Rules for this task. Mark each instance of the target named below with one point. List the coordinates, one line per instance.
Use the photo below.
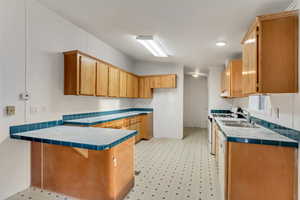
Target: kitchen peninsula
(82, 162)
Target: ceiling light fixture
(195, 75)
(221, 43)
(153, 45)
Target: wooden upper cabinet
(155, 82)
(249, 71)
(270, 54)
(102, 79)
(123, 84)
(87, 76)
(168, 81)
(79, 75)
(232, 79)
(114, 82)
(163, 81)
(135, 82)
(145, 91)
(236, 87)
(130, 90)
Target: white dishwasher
(222, 148)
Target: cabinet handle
(115, 162)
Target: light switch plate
(10, 110)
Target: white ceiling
(188, 28)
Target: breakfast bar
(82, 162)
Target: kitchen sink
(239, 124)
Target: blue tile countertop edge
(287, 132)
(96, 114)
(34, 126)
(259, 141)
(99, 121)
(74, 144)
(220, 111)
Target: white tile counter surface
(81, 137)
(105, 118)
(259, 133)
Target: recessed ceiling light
(195, 75)
(153, 45)
(221, 43)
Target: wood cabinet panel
(146, 128)
(123, 84)
(236, 86)
(279, 55)
(114, 82)
(249, 72)
(135, 87)
(87, 76)
(155, 82)
(130, 86)
(106, 174)
(269, 172)
(270, 54)
(102, 79)
(71, 73)
(168, 81)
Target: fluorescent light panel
(152, 45)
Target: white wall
(48, 36)
(14, 156)
(214, 89)
(195, 102)
(167, 103)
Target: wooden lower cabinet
(142, 123)
(84, 174)
(256, 171)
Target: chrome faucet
(248, 116)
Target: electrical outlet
(10, 110)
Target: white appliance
(210, 135)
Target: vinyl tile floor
(170, 169)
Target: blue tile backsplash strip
(96, 114)
(288, 132)
(35, 126)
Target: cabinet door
(114, 82)
(147, 88)
(236, 78)
(123, 84)
(250, 66)
(168, 81)
(155, 82)
(227, 80)
(130, 90)
(87, 76)
(102, 79)
(141, 87)
(135, 87)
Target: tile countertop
(258, 135)
(104, 118)
(81, 137)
